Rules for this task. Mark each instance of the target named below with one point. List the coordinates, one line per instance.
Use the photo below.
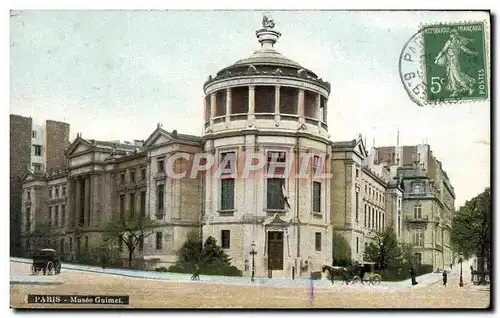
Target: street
(148, 293)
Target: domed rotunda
(271, 223)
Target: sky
(117, 74)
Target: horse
(336, 271)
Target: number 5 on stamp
(455, 62)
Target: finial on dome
(267, 36)
(267, 23)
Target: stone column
(78, 200)
(95, 199)
(213, 106)
(301, 105)
(277, 116)
(318, 110)
(87, 200)
(228, 104)
(325, 113)
(251, 103)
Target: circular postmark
(412, 71)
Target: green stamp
(455, 62)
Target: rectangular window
(225, 237)
(63, 214)
(357, 244)
(143, 203)
(132, 204)
(418, 237)
(160, 200)
(132, 175)
(33, 134)
(57, 192)
(86, 242)
(50, 215)
(316, 165)
(369, 216)
(357, 172)
(373, 217)
(122, 205)
(365, 216)
(317, 241)
(161, 165)
(143, 173)
(37, 167)
(228, 159)
(56, 215)
(71, 244)
(275, 200)
(227, 194)
(122, 178)
(159, 240)
(357, 205)
(278, 158)
(62, 245)
(383, 221)
(317, 197)
(28, 194)
(417, 211)
(28, 219)
(50, 193)
(38, 150)
(63, 191)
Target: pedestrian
(445, 278)
(311, 291)
(412, 275)
(451, 265)
(472, 274)
(196, 274)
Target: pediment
(78, 145)
(360, 148)
(158, 137)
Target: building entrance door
(275, 250)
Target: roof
(344, 144)
(267, 57)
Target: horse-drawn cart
(46, 261)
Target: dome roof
(267, 57)
(267, 61)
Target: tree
(471, 231)
(41, 237)
(384, 248)
(341, 250)
(130, 229)
(211, 259)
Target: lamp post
(253, 252)
(460, 260)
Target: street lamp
(253, 252)
(460, 260)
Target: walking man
(445, 278)
(413, 277)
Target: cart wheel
(375, 279)
(356, 279)
(50, 268)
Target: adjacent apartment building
(36, 147)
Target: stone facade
(56, 140)
(20, 160)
